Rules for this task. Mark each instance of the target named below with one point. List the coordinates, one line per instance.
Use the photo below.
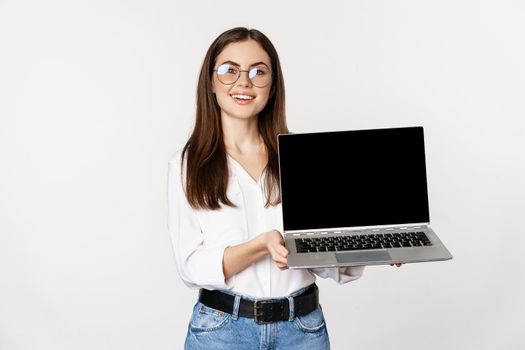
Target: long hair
(205, 152)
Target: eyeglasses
(259, 76)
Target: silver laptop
(356, 198)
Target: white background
(95, 96)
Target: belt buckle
(257, 314)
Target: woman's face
(241, 99)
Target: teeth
(243, 97)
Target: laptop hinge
(360, 228)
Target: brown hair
(205, 152)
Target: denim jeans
(213, 329)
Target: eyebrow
(251, 65)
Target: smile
(243, 97)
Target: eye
(258, 71)
(226, 69)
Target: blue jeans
(213, 329)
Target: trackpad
(352, 257)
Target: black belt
(263, 310)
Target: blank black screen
(353, 178)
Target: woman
(225, 214)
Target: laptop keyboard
(360, 242)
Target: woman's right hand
(274, 243)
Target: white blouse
(199, 238)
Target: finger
(282, 266)
(275, 252)
(279, 259)
(283, 251)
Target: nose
(244, 80)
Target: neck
(240, 135)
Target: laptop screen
(353, 178)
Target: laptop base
(384, 256)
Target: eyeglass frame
(239, 75)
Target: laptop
(356, 197)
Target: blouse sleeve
(198, 264)
(341, 275)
